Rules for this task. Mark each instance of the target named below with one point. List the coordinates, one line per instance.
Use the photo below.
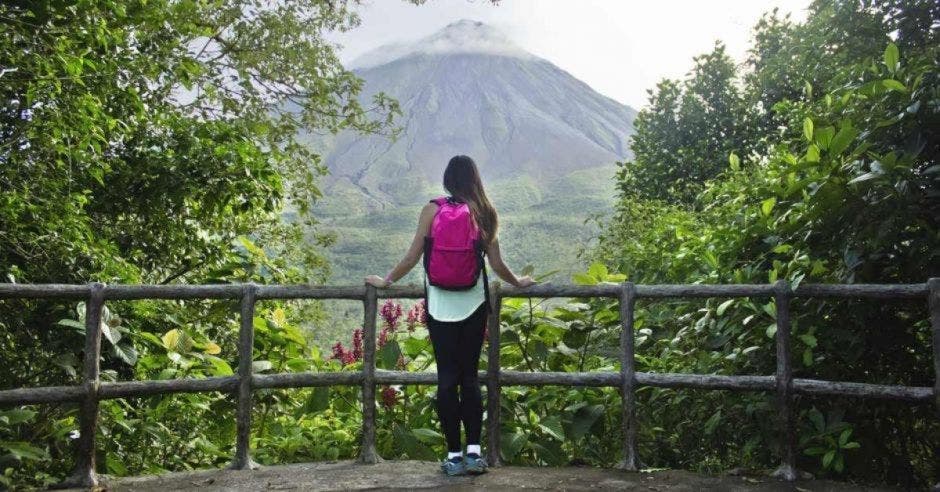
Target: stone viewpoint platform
(410, 475)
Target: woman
(456, 318)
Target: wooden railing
(92, 390)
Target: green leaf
(841, 141)
(827, 459)
(428, 436)
(126, 352)
(812, 153)
(598, 271)
(808, 129)
(891, 57)
(771, 330)
(512, 443)
(844, 437)
(318, 401)
(71, 323)
(387, 357)
(583, 279)
(823, 136)
(864, 177)
(219, 366)
(178, 341)
(767, 206)
(16, 416)
(734, 161)
(893, 85)
(808, 357)
(414, 347)
(21, 450)
(712, 423)
(583, 419)
(809, 340)
(724, 306)
(261, 365)
(552, 426)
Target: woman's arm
(496, 261)
(414, 251)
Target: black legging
(457, 346)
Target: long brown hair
(462, 181)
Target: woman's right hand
(525, 281)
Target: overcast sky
(621, 48)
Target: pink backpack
(453, 252)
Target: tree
(684, 136)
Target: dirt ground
(409, 475)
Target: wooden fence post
(246, 344)
(493, 388)
(933, 286)
(84, 473)
(631, 461)
(368, 454)
(784, 383)
(933, 291)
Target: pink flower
(389, 397)
(338, 350)
(345, 357)
(383, 337)
(415, 315)
(357, 344)
(390, 312)
(424, 311)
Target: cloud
(463, 36)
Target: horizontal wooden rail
(132, 389)
(234, 291)
(782, 383)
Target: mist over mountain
(545, 143)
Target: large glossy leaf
(583, 419)
(511, 443)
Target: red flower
(338, 350)
(423, 311)
(390, 312)
(383, 337)
(346, 357)
(416, 315)
(389, 397)
(357, 344)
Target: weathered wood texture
(246, 343)
(132, 389)
(84, 473)
(784, 384)
(631, 461)
(627, 380)
(934, 303)
(368, 453)
(493, 377)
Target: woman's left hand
(377, 281)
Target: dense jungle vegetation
(138, 146)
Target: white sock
(453, 454)
(473, 448)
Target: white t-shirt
(454, 305)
